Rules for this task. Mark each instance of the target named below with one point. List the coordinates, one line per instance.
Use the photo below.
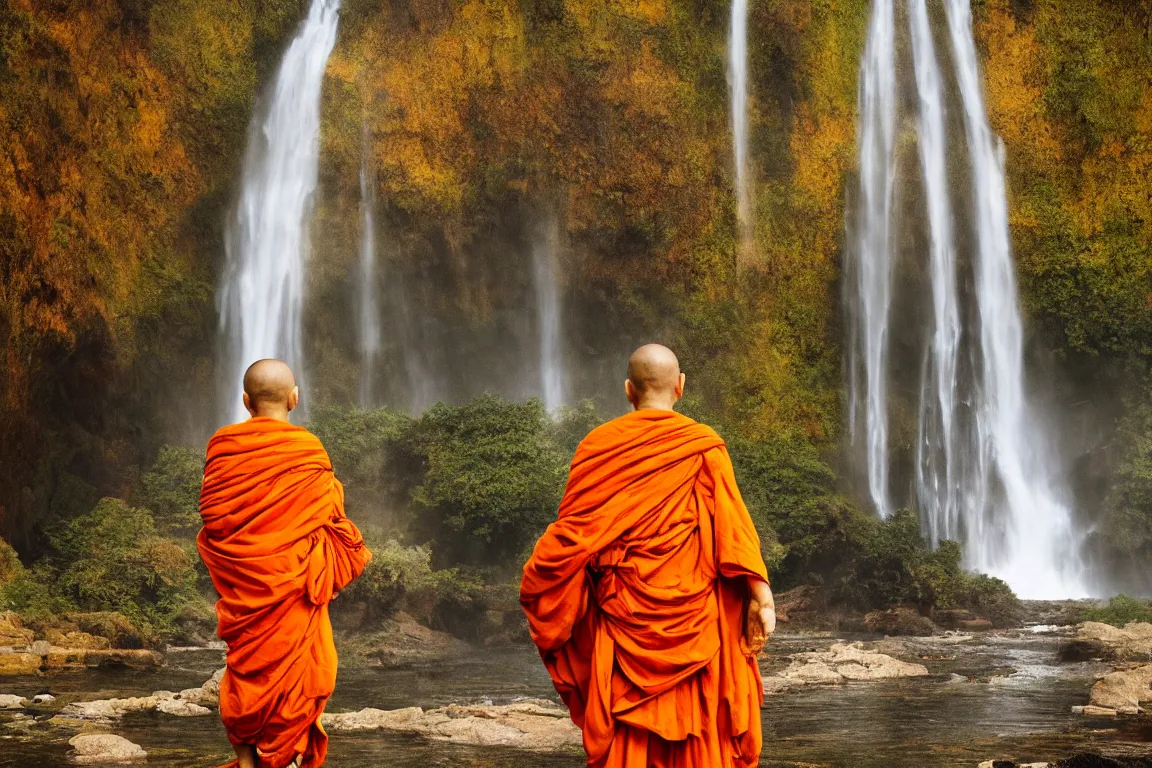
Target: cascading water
(873, 247)
(262, 295)
(1032, 546)
(982, 475)
(738, 85)
(938, 445)
(370, 334)
(548, 317)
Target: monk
(279, 549)
(648, 598)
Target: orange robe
(636, 598)
(278, 547)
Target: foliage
(1120, 611)
(110, 560)
(492, 477)
(397, 577)
(171, 490)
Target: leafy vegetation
(1120, 611)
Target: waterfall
(261, 298)
(1034, 549)
(738, 85)
(873, 247)
(547, 291)
(368, 285)
(937, 443)
(983, 474)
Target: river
(1004, 696)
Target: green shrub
(171, 490)
(10, 566)
(492, 478)
(112, 559)
(395, 574)
(1120, 611)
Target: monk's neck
(277, 415)
(643, 406)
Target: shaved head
(654, 378)
(269, 388)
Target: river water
(1003, 698)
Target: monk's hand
(761, 620)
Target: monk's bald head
(654, 378)
(270, 389)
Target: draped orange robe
(636, 597)
(278, 547)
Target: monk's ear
(293, 399)
(680, 386)
(248, 404)
(630, 392)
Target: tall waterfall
(261, 299)
(368, 285)
(738, 85)
(982, 472)
(873, 247)
(544, 253)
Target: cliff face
(482, 121)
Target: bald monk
(279, 548)
(648, 598)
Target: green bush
(112, 559)
(171, 490)
(1120, 611)
(395, 574)
(492, 478)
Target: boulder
(12, 631)
(108, 709)
(180, 708)
(1124, 690)
(974, 625)
(43, 698)
(76, 639)
(535, 725)
(19, 663)
(839, 664)
(1083, 650)
(950, 618)
(139, 658)
(899, 621)
(8, 701)
(104, 748)
(1132, 643)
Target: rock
(181, 708)
(1094, 711)
(536, 725)
(899, 621)
(8, 701)
(76, 639)
(1099, 761)
(66, 658)
(839, 664)
(40, 647)
(950, 618)
(797, 601)
(43, 698)
(108, 709)
(1124, 690)
(92, 748)
(1083, 650)
(1132, 643)
(139, 658)
(19, 663)
(12, 632)
(114, 627)
(974, 625)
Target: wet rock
(138, 658)
(43, 698)
(108, 709)
(1083, 650)
(104, 748)
(19, 663)
(1099, 761)
(536, 725)
(1132, 643)
(974, 625)
(1124, 690)
(12, 632)
(180, 708)
(8, 701)
(899, 621)
(839, 664)
(1093, 711)
(76, 639)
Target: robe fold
(636, 597)
(278, 547)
